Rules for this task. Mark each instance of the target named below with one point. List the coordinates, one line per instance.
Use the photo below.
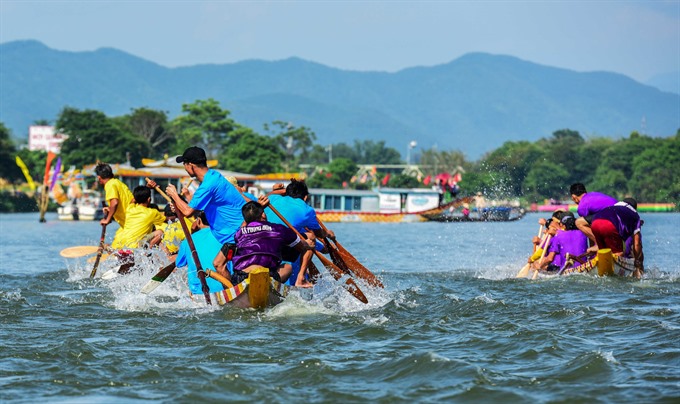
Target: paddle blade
(78, 251)
(313, 272)
(524, 271)
(354, 290)
(158, 279)
(356, 268)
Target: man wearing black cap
(220, 201)
(613, 225)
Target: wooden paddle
(540, 261)
(525, 269)
(336, 272)
(350, 263)
(99, 253)
(333, 269)
(78, 251)
(187, 234)
(157, 279)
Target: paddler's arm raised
(179, 203)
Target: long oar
(187, 234)
(525, 269)
(78, 251)
(540, 261)
(351, 263)
(158, 279)
(99, 253)
(336, 272)
(333, 269)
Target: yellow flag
(24, 169)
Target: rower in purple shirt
(589, 203)
(612, 226)
(567, 239)
(258, 244)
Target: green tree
(204, 124)
(338, 171)
(546, 179)
(35, 161)
(92, 136)
(616, 166)
(588, 157)
(371, 152)
(433, 161)
(402, 181)
(251, 153)
(511, 163)
(656, 177)
(152, 126)
(295, 142)
(320, 155)
(8, 167)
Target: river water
(452, 324)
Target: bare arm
(220, 265)
(305, 245)
(637, 252)
(110, 211)
(547, 260)
(178, 202)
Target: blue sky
(637, 38)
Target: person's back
(117, 195)
(573, 242)
(294, 208)
(259, 243)
(140, 220)
(114, 188)
(593, 202)
(222, 205)
(589, 203)
(624, 218)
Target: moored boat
(86, 207)
(388, 205)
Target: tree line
(638, 166)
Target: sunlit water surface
(452, 324)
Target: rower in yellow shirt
(140, 221)
(118, 196)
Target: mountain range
(473, 103)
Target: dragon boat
(603, 264)
(258, 291)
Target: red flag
(48, 164)
(457, 178)
(386, 179)
(427, 180)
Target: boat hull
(258, 291)
(604, 264)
